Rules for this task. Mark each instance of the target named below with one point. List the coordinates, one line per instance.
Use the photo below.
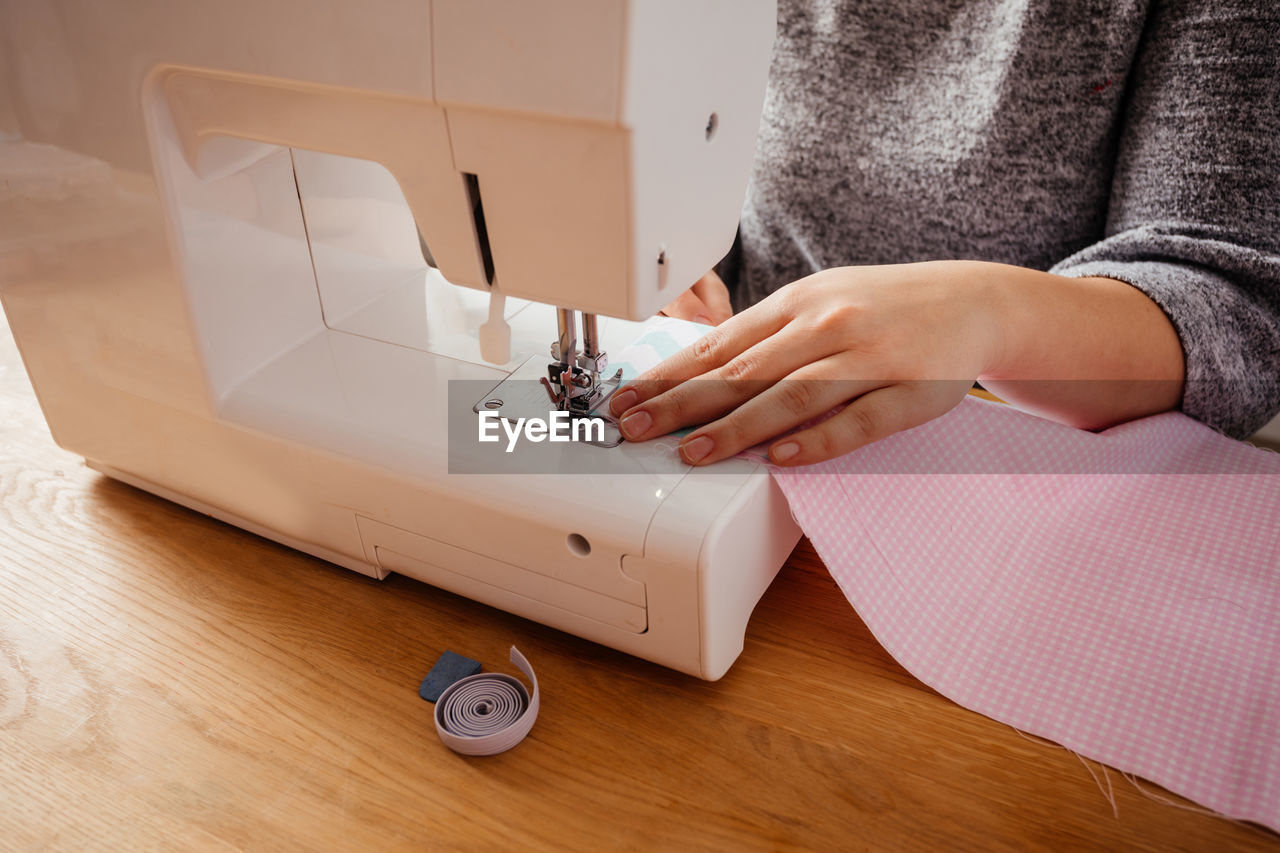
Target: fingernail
(636, 424)
(623, 400)
(696, 449)
(704, 320)
(785, 451)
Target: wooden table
(170, 681)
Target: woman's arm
(901, 345)
(1089, 352)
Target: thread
(1109, 792)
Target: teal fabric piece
(662, 338)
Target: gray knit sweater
(1123, 138)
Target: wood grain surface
(168, 681)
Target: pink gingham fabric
(1118, 593)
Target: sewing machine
(256, 254)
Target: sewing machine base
(690, 618)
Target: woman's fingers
(694, 402)
(707, 302)
(801, 397)
(717, 348)
(689, 306)
(871, 417)
(715, 296)
(717, 391)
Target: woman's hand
(706, 302)
(899, 344)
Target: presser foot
(529, 393)
(578, 391)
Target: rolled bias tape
(488, 713)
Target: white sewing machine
(246, 246)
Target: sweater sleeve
(1194, 215)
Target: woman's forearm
(1090, 352)
(894, 346)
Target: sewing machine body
(210, 260)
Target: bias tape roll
(487, 713)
